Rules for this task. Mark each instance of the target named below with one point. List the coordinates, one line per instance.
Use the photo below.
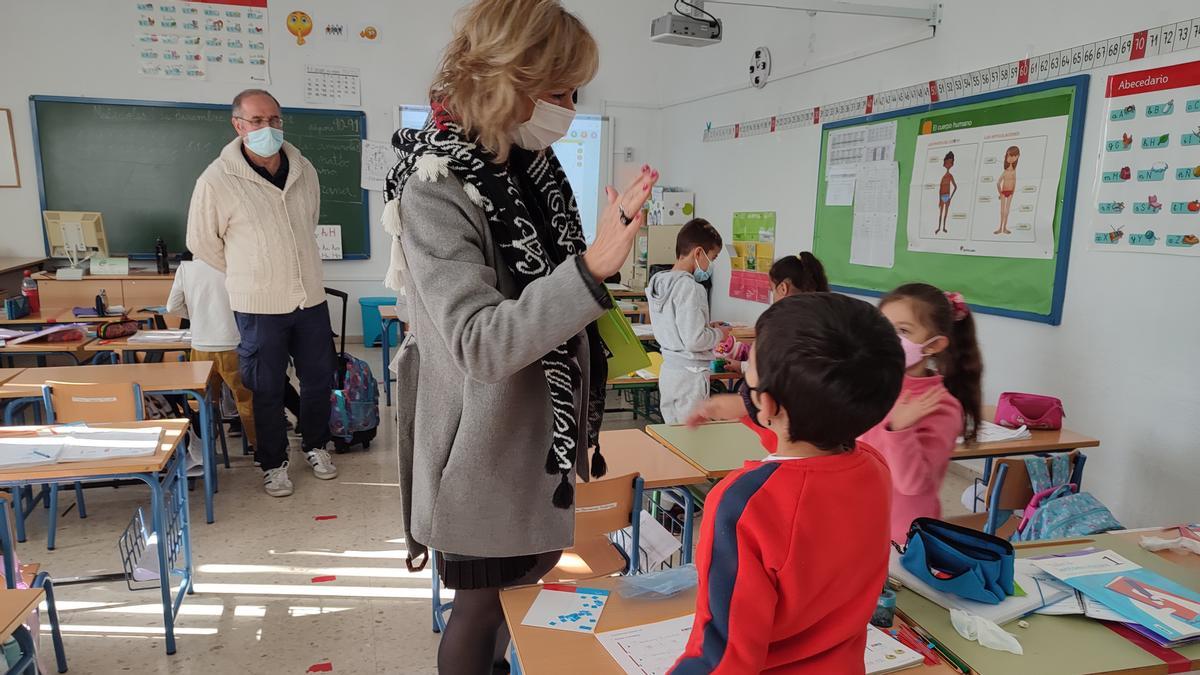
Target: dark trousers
(268, 341)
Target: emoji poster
(202, 40)
(1147, 194)
(985, 179)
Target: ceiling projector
(685, 31)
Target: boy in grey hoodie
(679, 315)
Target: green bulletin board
(1023, 288)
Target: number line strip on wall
(1165, 39)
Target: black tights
(476, 636)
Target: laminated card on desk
(649, 649)
(567, 608)
(22, 451)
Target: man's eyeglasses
(276, 122)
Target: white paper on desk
(885, 654)
(642, 329)
(90, 444)
(568, 608)
(989, 432)
(153, 336)
(649, 649)
(377, 160)
(656, 542)
(19, 451)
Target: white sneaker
(321, 464)
(276, 481)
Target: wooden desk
(542, 651)
(186, 378)
(633, 381)
(49, 315)
(7, 374)
(164, 473)
(627, 294)
(1060, 644)
(641, 309)
(76, 349)
(631, 450)
(721, 447)
(15, 606)
(128, 350)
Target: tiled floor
(256, 608)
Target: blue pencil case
(968, 563)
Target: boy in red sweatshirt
(793, 549)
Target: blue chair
(68, 402)
(602, 507)
(1009, 491)
(34, 578)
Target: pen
(954, 661)
(911, 640)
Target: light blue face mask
(700, 275)
(265, 142)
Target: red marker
(321, 580)
(324, 517)
(325, 667)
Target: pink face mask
(913, 352)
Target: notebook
(885, 654)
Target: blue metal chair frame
(41, 580)
(386, 355)
(996, 517)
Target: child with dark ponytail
(789, 276)
(940, 400)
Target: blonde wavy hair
(503, 52)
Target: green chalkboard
(136, 162)
(1024, 288)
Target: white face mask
(548, 124)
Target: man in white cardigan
(253, 216)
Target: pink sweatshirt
(918, 455)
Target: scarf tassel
(599, 466)
(564, 494)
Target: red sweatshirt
(918, 455)
(792, 557)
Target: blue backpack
(1058, 509)
(354, 404)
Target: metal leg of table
(689, 517)
(210, 451)
(175, 476)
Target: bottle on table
(29, 289)
(160, 256)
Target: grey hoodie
(679, 314)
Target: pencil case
(968, 563)
(117, 329)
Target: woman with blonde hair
(506, 367)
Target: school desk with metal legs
(387, 318)
(166, 475)
(76, 350)
(721, 447)
(128, 351)
(183, 378)
(15, 605)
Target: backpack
(354, 405)
(1058, 509)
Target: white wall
(83, 48)
(1123, 359)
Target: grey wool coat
(474, 408)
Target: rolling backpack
(354, 401)
(1058, 509)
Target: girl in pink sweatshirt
(939, 401)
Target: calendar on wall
(332, 85)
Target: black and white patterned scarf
(515, 226)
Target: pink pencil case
(1031, 410)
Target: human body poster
(1147, 195)
(985, 180)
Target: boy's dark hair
(832, 362)
(697, 232)
(804, 272)
(960, 364)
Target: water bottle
(160, 256)
(29, 289)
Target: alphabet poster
(985, 180)
(1148, 186)
(202, 40)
